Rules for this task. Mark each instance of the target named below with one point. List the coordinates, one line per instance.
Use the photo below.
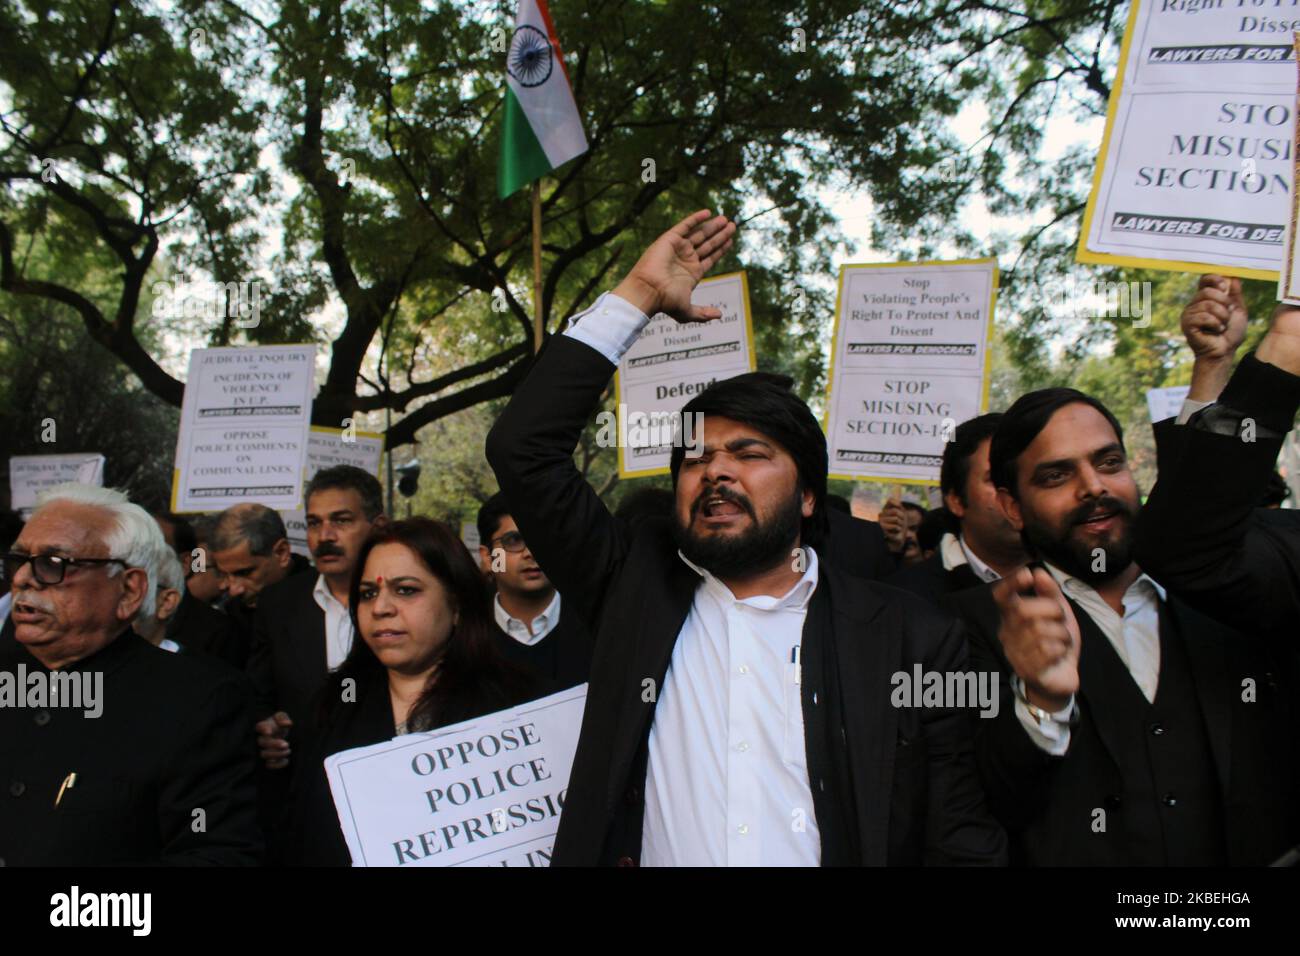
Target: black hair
(11, 526)
(763, 401)
(349, 478)
(954, 472)
(1275, 492)
(184, 539)
(490, 514)
(839, 503)
(1022, 422)
(932, 528)
(913, 506)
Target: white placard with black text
(909, 363)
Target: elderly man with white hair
(112, 751)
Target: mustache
(726, 494)
(1093, 508)
(32, 599)
(326, 550)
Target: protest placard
(1166, 402)
(244, 423)
(486, 792)
(29, 475)
(1196, 161)
(669, 364)
(909, 361)
(327, 447)
(1288, 282)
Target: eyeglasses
(49, 568)
(512, 541)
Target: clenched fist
(1214, 322)
(1040, 636)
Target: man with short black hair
(981, 545)
(531, 629)
(1125, 738)
(250, 550)
(738, 711)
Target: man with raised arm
(739, 708)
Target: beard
(1075, 556)
(760, 547)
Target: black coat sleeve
(207, 807)
(1197, 534)
(960, 830)
(575, 539)
(1015, 772)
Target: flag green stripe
(522, 157)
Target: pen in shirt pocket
(68, 783)
(796, 666)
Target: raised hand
(1214, 322)
(669, 270)
(1040, 636)
(893, 522)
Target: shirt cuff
(610, 326)
(1190, 407)
(1052, 736)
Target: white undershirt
(338, 624)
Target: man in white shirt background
(531, 630)
(1137, 731)
(981, 545)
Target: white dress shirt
(1135, 637)
(727, 777)
(338, 624)
(543, 624)
(954, 552)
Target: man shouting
(739, 708)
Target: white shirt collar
(1143, 586)
(543, 623)
(797, 597)
(325, 597)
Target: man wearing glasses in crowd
(530, 629)
(163, 745)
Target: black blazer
(288, 665)
(857, 547)
(172, 739)
(889, 785)
(1046, 802)
(929, 580)
(1201, 535)
(197, 627)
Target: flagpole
(537, 265)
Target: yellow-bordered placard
(623, 471)
(985, 373)
(327, 430)
(1082, 252)
(1286, 292)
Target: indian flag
(542, 128)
